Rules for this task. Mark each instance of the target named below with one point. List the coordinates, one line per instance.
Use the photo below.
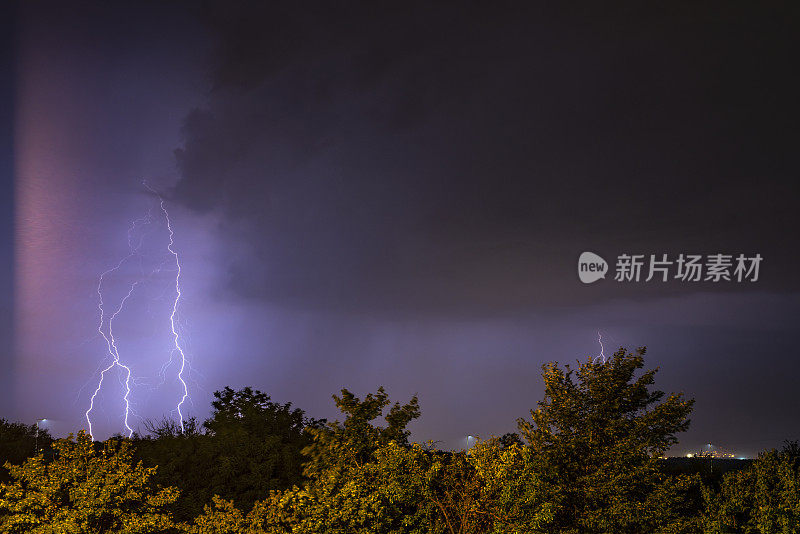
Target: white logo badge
(591, 267)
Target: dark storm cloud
(445, 158)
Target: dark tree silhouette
(18, 442)
(249, 446)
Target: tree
(589, 464)
(595, 440)
(249, 446)
(84, 491)
(361, 478)
(354, 469)
(18, 442)
(355, 440)
(222, 517)
(764, 498)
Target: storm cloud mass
(370, 194)
(456, 160)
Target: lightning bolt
(105, 327)
(175, 336)
(602, 355)
(111, 343)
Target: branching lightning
(111, 344)
(106, 324)
(175, 336)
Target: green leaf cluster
(83, 490)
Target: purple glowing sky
(406, 216)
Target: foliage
(384, 495)
(587, 461)
(84, 491)
(354, 441)
(368, 479)
(19, 442)
(222, 517)
(595, 441)
(361, 478)
(589, 465)
(357, 473)
(765, 498)
(249, 446)
(511, 489)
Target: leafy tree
(182, 462)
(509, 439)
(18, 442)
(455, 491)
(385, 495)
(354, 441)
(355, 469)
(362, 478)
(84, 491)
(511, 499)
(222, 517)
(589, 463)
(249, 446)
(369, 479)
(765, 498)
(594, 442)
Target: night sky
(369, 194)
